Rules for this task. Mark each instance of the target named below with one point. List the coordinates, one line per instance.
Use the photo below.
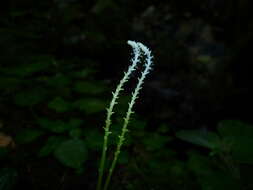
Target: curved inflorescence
(138, 50)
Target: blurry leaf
(18, 13)
(28, 135)
(39, 63)
(242, 149)
(157, 167)
(90, 105)
(234, 128)
(89, 87)
(155, 141)
(163, 128)
(177, 168)
(58, 81)
(30, 98)
(209, 177)
(94, 139)
(56, 126)
(204, 58)
(74, 122)
(238, 137)
(59, 105)
(72, 153)
(138, 124)
(75, 133)
(83, 73)
(213, 181)
(9, 83)
(103, 4)
(59, 126)
(200, 164)
(200, 137)
(51, 144)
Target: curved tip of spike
(132, 43)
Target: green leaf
(209, 176)
(238, 139)
(9, 83)
(59, 105)
(56, 126)
(93, 88)
(94, 139)
(90, 105)
(204, 59)
(199, 137)
(59, 126)
(75, 133)
(30, 98)
(163, 128)
(28, 135)
(155, 141)
(39, 63)
(234, 128)
(72, 153)
(50, 146)
(201, 165)
(242, 149)
(83, 73)
(74, 122)
(102, 4)
(58, 81)
(138, 124)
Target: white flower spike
(138, 48)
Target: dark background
(61, 59)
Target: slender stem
(129, 111)
(116, 154)
(119, 88)
(102, 162)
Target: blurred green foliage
(55, 84)
(64, 123)
(229, 153)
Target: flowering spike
(138, 48)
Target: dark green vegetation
(60, 61)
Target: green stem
(102, 163)
(115, 159)
(135, 94)
(119, 88)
